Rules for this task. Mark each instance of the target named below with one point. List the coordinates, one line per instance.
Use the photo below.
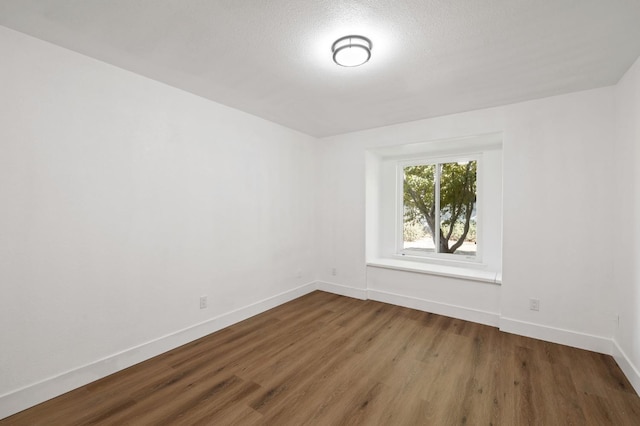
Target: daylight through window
(439, 214)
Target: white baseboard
(21, 399)
(36, 393)
(627, 367)
(460, 312)
(356, 293)
(557, 335)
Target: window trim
(446, 258)
(380, 205)
(431, 268)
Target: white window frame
(435, 160)
(383, 212)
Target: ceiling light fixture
(351, 51)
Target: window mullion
(437, 213)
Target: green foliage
(457, 201)
(413, 231)
(458, 232)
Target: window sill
(440, 270)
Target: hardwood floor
(325, 359)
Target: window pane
(419, 208)
(458, 208)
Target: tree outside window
(440, 208)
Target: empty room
(288, 212)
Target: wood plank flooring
(325, 359)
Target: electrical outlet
(203, 302)
(534, 304)
(334, 271)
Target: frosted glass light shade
(351, 51)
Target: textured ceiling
(273, 58)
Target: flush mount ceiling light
(351, 51)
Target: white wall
(124, 200)
(558, 164)
(557, 190)
(626, 211)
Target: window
(438, 206)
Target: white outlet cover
(534, 304)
